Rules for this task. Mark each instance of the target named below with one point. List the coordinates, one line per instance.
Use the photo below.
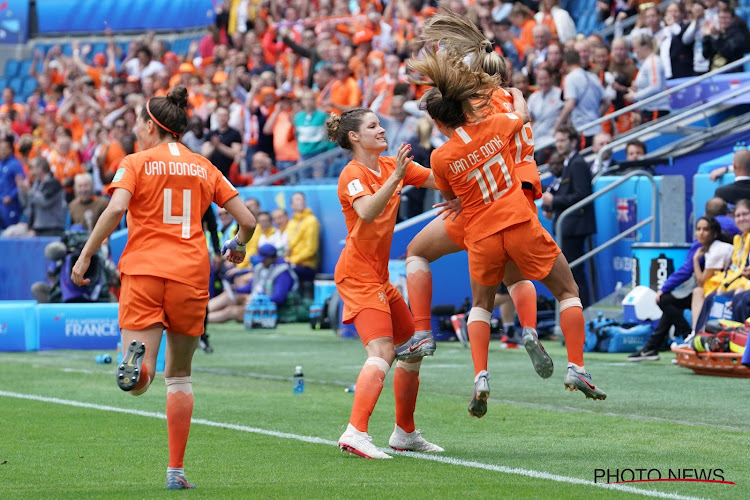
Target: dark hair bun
(332, 126)
(178, 96)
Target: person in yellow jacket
(242, 15)
(303, 231)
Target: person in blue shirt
(272, 276)
(10, 168)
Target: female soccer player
(369, 190)
(165, 268)
(460, 37)
(501, 226)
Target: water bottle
(103, 359)
(248, 319)
(256, 312)
(351, 389)
(618, 293)
(274, 314)
(299, 381)
(265, 313)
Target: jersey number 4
(183, 219)
(485, 177)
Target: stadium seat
(11, 68)
(42, 47)
(98, 47)
(24, 67)
(16, 84)
(29, 85)
(67, 49)
(180, 46)
(3, 83)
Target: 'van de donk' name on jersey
(158, 167)
(486, 151)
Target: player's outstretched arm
(107, 223)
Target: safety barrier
(28, 326)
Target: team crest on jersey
(381, 297)
(355, 187)
(119, 174)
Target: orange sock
(368, 389)
(479, 337)
(419, 287)
(573, 327)
(406, 387)
(143, 381)
(523, 294)
(179, 413)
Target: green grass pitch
(67, 431)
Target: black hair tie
(488, 49)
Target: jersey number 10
(183, 219)
(491, 194)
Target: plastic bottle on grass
(299, 381)
(103, 359)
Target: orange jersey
(64, 167)
(526, 38)
(172, 188)
(19, 108)
(523, 146)
(345, 93)
(368, 246)
(477, 165)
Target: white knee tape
(409, 367)
(511, 287)
(379, 362)
(176, 384)
(568, 303)
(414, 264)
(479, 314)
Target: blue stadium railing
(321, 169)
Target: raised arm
(369, 207)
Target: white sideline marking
(75, 370)
(316, 440)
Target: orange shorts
(456, 228)
(373, 324)
(358, 296)
(527, 244)
(147, 300)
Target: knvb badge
(638, 475)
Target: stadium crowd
(265, 76)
